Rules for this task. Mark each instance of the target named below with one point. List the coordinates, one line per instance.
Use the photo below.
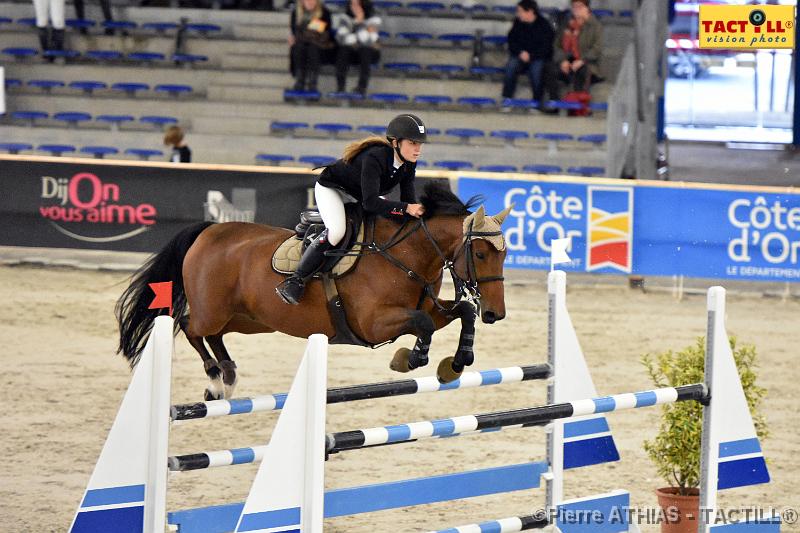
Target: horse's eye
(480, 255)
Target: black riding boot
(58, 39)
(44, 38)
(291, 291)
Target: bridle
(466, 289)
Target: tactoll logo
(85, 198)
(609, 240)
(746, 27)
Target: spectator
(530, 48)
(357, 35)
(578, 50)
(50, 11)
(80, 13)
(180, 152)
(311, 37)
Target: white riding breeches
(49, 10)
(330, 203)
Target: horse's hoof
(210, 396)
(445, 372)
(400, 360)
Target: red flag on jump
(163, 298)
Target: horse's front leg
(394, 322)
(450, 368)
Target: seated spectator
(357, 35)
(48, 11)
(530, 48)
(105, 5)
(577, 52)
(311, 37)
(180, 152)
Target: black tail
(134, 318)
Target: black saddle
(311, 226)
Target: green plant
(676, 448)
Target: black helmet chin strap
(397, 151)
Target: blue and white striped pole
(503, 525)
(274, 402)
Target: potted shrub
(676, 448)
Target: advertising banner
(664, 230)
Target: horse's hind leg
(229, 378)
(215, 389)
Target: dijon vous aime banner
(648, 230)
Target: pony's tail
(134, 318)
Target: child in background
(180, 152)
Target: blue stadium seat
(80, 23)
(598, 106)
(465, 134)
(594, 138)
(160, 27)
(567, 106)
(66, 54)
(509, 136)
(316, 160)
(374, 130)
(189, 59)
(130, 88)
(477, 8)
(292, 95)
(46, 85)
(20, 52)
(553, 139)
(421, 163)
(433, 99)
(173, 89)
(144, 153)
(344, 97)
(402, 68)
(158, 121)
(625, 13)
(56, 149)
(447, 70)
(384, 35)
(333, 128)
(587, 171)
(99, 152)
(519, 103)
(5, 20)
(477, 101)
(88, 86)
(497, 168)
(146, 57)
(273, 159)
(457, 39)
(12, 82)
(291, 127)
(496, 40)
(336, 3)
(72, 118)
(413, 35)
(119, 25)
(388, 98)
(15, 148)
(453, 165)
(507, 10)
(542, 169)
(204, 29)
(485, 71)
(426, 6)
(104, 55)
(602, 13)
(30, 116)
(114, 120)
(27, 21)
(433, 131)
(387, 4)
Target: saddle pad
(286, 257)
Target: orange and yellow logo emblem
(610, 231)
(746, 27)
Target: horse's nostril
(489, 317)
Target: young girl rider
(368, 169)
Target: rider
(368, 169)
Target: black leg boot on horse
(292, 289)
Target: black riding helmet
(406, 126)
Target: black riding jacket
(372, 174)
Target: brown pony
(221, 275)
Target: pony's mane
(438, 199)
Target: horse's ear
(501, 216)
(478, 216)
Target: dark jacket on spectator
(370, 175)
(302, 32)
(535, 38)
